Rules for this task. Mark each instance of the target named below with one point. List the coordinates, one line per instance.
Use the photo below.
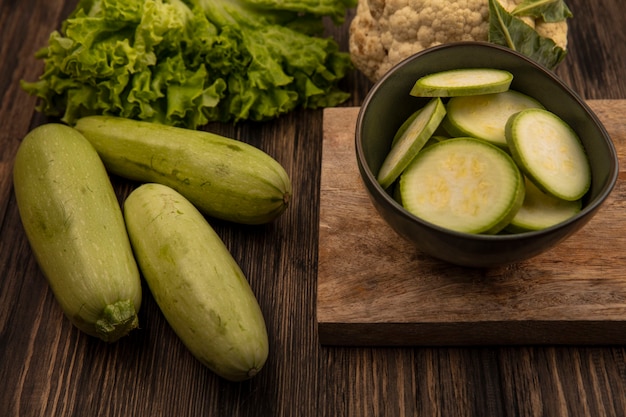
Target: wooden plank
(375, 289)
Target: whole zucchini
(197, 284)
(75, 227)
(222, 177)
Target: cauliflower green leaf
(549, 10)
(508, 30)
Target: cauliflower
(384, 32)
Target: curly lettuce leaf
(510, 31)
(191, 62)
(548, 10)
(335, 9)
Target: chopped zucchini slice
(550, 153)
(463, 184)
(485, 116)
(462, 82)
(411, 141)
(541, 210)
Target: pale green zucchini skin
(74, 224)
(196, 282)
(224, 178)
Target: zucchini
(197, 284)
(540, 210)
(462, 82)
(463, 184)
(75, 227)
(225, 178)
(485, 116)
(550, 153)
(413, 135)
(404, 126)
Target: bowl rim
(586, 210)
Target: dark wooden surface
(48, 368)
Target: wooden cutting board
(375, 289)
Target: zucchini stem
(117, 320)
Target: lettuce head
(190, 62)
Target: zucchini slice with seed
(550, 153)
(541, 210)
(463, 184)
(485, 116)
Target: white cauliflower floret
(556, 31)
(384, 32)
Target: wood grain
(374, 288)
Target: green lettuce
(190, 62)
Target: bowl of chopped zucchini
(480, 156)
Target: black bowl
(388, 104)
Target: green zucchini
(197, 284)
(225, 178)
(540, 210)
(74, 224)
(463, 184)
(462, 82)
(413, 135)
(485, 116)
(550, 153)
